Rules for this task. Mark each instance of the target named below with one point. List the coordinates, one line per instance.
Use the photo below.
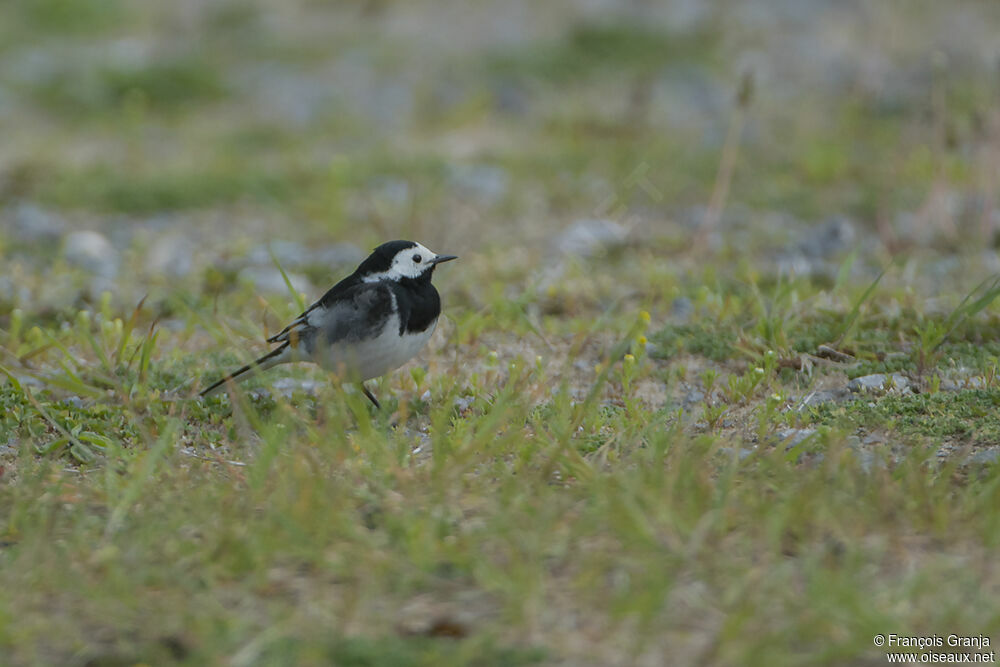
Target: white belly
(364, 360)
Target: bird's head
(399, 260)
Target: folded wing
(350, 315)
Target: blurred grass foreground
(716, 381)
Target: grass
(503, 518)
(607, 460)
(966, 416)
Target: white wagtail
(371, 322)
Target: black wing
(355, 312)
(324, 301)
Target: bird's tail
(276, 356)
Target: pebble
(392, 192)
(589, 237)
(486, 184)
(509, 97)
(693, 99)
(793, 437)
(338, 254)
(972, 382)
(813, 255)
(681, 309)
(830, 238)
(290, 254)
(73, 402)
(873, 439)
(12, 292)
(984, 457)
(866, 457)
(266, 279)
(284, 95)
(287, 386)
(172, 256)
(33, 223)
(878, 382)
(91, 252)
(694, 396)
(825, 396)
(741, 453)
(296, 256)
(463, 403)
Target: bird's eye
(416, 259)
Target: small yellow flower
(629, 358)
(641, 340)
(644, 316)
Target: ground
(715, 384)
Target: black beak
(443, 258)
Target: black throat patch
(419, 303)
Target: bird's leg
(371, 397)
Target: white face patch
(408, 263)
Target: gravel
(878, 382)
(33, 223)
(270, 280)
(590, 237)
(91, 252)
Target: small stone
(811, 254)
(958, 384)
(589, 237)
(509, 97)
(337, 255)
(825, 396)
(742, 453)
(391, 192)
(287, 386)
(484, 183)
(29, 381)
(681, 309)
(867, 459)
(793, 437)
(833, 236)
(984, 457)
(91, 252)
(296, 256)
(463, 403)
(12, 293)
(879, 382)
(290, 255)
(73, 402)
(873, 439)
(694, 396)
(270, 280)
(172, 257)
(33, 223)
(797, 264)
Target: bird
(370, 323)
